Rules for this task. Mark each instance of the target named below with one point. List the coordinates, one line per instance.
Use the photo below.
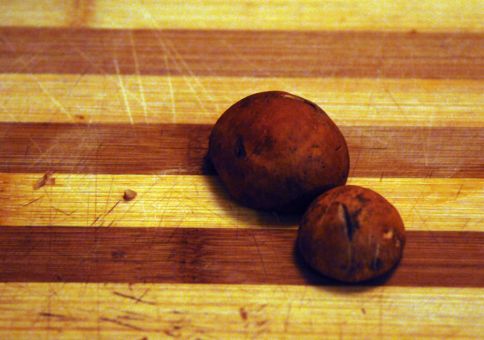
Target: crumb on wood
(46, 179)
(129, 195)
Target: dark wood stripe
(243, 53)
(180, 149)
(182, 255)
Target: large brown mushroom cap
(351, 234)
(276, 151)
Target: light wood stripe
(242, 53)
(66, 98)
(200, 201)
(246, 311)
(35, 13)
(425, 15)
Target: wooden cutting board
(97, 97)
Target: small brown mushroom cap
(276, 151)
(351, 234)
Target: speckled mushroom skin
(276, 151)
(351, 234)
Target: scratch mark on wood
(7, 42)
(458, 192)
(137, 70)
(182, 62)
(95, 181)
(105, 214)
(173, 53)
(123, 91)
(27, 150)
(81, 75)
(34, 143)
(287, 320)
(86, 57)
(64, 212)
(252, 64)
(109, 193)
(43, 89)
(130, 317)
(7, 111)
(134, 298)
(56, 102)
(260, 254)
(32, 201)
(170, 87)
(111, 223)
(120, 323)
(54, 315)
(393, 99)
(190, 72)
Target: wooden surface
(113, 95)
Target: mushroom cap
(276, 151)
(351, 234)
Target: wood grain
(137, 85)
(187, 255)
(181, 148)
(200, 201)
(66, 310)
(86, 98)
(242, 53)
(425, 15)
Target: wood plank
(200, 201)
(237, 311)
(67, 98)
(35, 13)
(180, 148)
(425, 15)
(448, 306)
(201, 255)
(242, 53)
